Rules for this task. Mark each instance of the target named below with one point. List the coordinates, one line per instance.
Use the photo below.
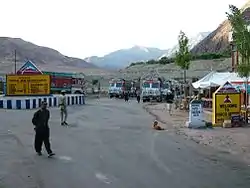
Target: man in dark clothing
(170, 101)
(138, 96)
(40, 121)
(126, 96)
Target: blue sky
(82, 28)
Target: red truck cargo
(59, 83)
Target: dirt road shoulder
(234, 141)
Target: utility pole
(15, 61)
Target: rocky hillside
(41, 56)
(217, 41)
(193, 41)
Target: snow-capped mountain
(122, 58)
(193, 41)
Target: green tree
(152, 61)
(241, 39)
(183, 57)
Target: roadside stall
(212, 81)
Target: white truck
(116, 88)
(151, 90)
(78, 84)
(166, 88)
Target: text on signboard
(195, 110)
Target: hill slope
(193, 41)
(217, 41)
(41, 56)
(122, 58)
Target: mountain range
(41, 56)
(122, 58)
(204, 42)
(193, 41)
(217, 41)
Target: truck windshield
(112, 85)
(155, 85)
(146, 85)
(165, 86)
(118, 84)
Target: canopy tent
(207, 84)
(215, 79)
(212, 79)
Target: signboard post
(226, 103)
(24, 85)
(196, 119)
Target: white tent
(214, 79)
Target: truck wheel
(111, 96)
(143, 100)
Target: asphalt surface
(110, 144)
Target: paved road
(110, 144)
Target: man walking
(63, 108)
(40, 121)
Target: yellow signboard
(224, 106)
(27, 85)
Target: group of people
(138, 96)
(40, 121)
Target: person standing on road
(63, 108)
(126, 96)
(40, 121)
(170, 101)
(138, 96)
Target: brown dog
(156, 126)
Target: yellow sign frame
(224, 110)
(27, 85)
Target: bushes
(166, 60)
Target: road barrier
(34, 102)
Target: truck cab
(78, 84)
(166, 88)
(116, 89)
(151, 90)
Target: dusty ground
(235, 141)
(110, 144)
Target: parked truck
(69, 82)
(116, 88)
(166, 89)
(151, 90)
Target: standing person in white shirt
(63, 108)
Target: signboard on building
(226, 103)
(27, 85)
(29, 68)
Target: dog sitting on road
(156, 126)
